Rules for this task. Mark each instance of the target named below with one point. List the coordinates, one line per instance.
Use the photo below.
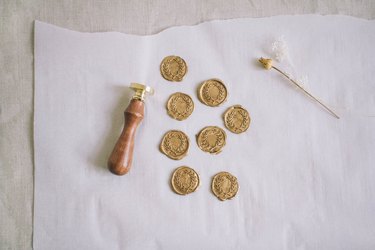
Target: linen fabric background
(136, 17)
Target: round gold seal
(237, 119)
(175, 144)
(211, 139)
(184, 180)
(180, 106)
(173, 68)
(224, 186)
(212, 92)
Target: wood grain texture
(120, 160)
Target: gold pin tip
(266, 62)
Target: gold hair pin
(267, 64)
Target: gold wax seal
(211, 139)
(180, 106)
(212, 92)
(184, 180)
(237, 119)
(224, 186)
(173, 68)
(175, 144)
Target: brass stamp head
(141, 90)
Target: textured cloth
(137, 17)
(306, 178)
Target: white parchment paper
(306, 178)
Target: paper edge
(208, 22)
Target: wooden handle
(121, 158)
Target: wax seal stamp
(180, 106)
(237, 119)
(120, 160)
(184, 180)
(173, 68)
(212, 92)
(175, 144)
(211, 139)
(224, 186)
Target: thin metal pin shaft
(307, 93)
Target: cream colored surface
(306, 178)
(136, 17)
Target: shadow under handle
(120, 160)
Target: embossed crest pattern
(175, 144)
(184, 180)
(173, 68)
(180, 106)
(237, 119)
(224, 186)
(212, 92)
(211, 139)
